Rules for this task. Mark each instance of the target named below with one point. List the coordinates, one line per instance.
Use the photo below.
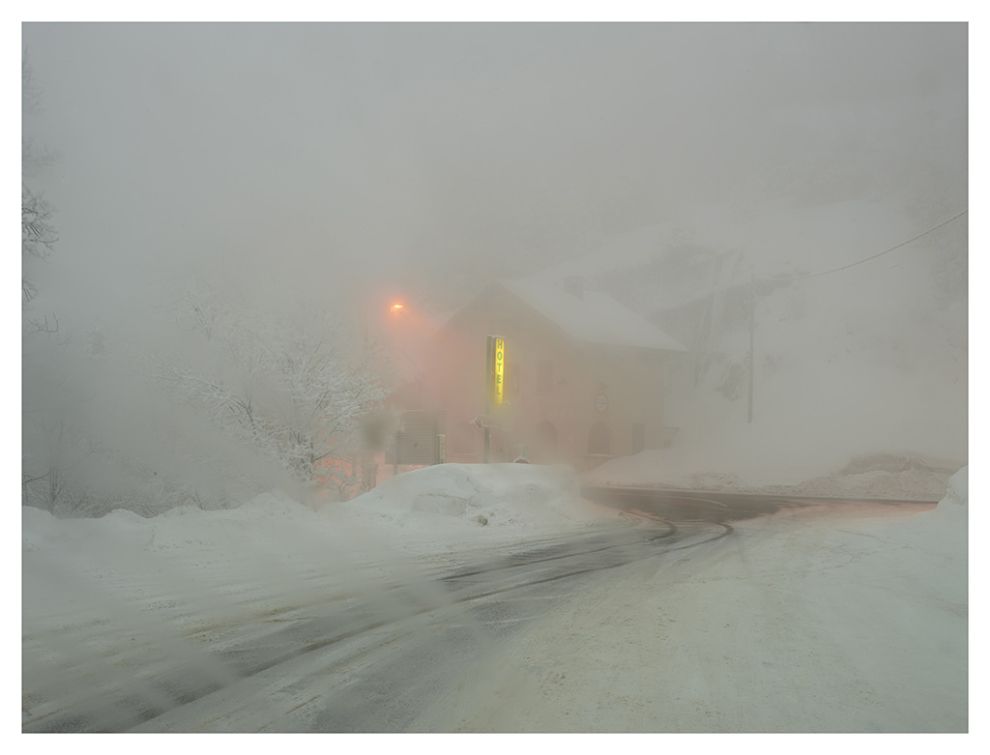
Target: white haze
(299, 172)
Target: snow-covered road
(291, 669)
(803, 621)
(833, 617)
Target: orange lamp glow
(397, 308)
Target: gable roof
(592, 318)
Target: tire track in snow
(541, 566)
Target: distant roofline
(660, 341)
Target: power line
(752, 294)
(885, 251)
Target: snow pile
(206, 560)
(924, 560)
(44, 533)
(891, 476)
(957, 496)
(882, 476)
(943, 534)
(270, 542)
(513, 498)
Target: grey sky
(290, 158)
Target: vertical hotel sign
(496, 370)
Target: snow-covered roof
(592, 318)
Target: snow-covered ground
(810, 620)
(128, 590)
(442, 506)
(825, 618)
(188, 561)
(885, 476)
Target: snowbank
(943, 534)
(445, 501)
(272, 544)
(957, 496)
(882, 476)
(153, 591)
(510, 498)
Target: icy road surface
(349, 662)
(812, 619)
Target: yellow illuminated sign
(498, 366)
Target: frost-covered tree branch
(38, 234)
(293, 391)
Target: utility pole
(752, 331)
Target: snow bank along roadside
(490, 501)
(814, 619)
(891, 476)
(273, 548)
(108, 601)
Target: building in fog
(586, 378)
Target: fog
(494, 377)
(232, 200)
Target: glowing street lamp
(397, 308)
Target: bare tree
(38, 233)
(294, 392)
(42, 477)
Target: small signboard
(499, 371)
(495, 363)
